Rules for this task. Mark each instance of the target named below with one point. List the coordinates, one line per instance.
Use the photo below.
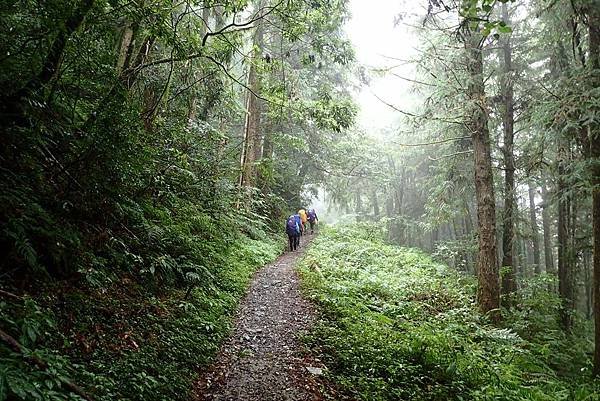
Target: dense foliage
(396, 324)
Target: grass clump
(397, 325)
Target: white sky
(376, 38)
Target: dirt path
(263, 359)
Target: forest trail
(263, 359)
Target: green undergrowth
(136, 332)
(397, 325)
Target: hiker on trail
(303, 218)
(299, 222)
(312, 219)
(292, 229)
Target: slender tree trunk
(535, 237)
(468, 225)
(521, 250)
(594, 138)
(509, 283)
(588, 283)
(267, 146)
(595, 150)
(546, 224)
(574, 245)
(527, 256)
(460, 259)
(125, 47)
(129, 77)
(398, 208)
(389, 203)
(252, 149)
(435, 237)
(488, 293)
(192, 112)
(375, 201)
(565, 270)
(358, 200)
(149, 109)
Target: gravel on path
(263, 359)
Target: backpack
(290, 227)
(312, 215)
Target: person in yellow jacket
(303, 218)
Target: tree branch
(465, 152)
(257, 16)
(406, 113)
(433, 142)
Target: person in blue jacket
(299, 223)
(292, 229)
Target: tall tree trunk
(565, 270)
(375, 201)
(129, 76)
(149, 108)
(535, 237)
(251, 150)
(125, 47)
(573, 243)
(588, 283)
(251, 125)
(435, 237)
(358, 200)
(267, 146)
(595, 150)
(509, 283)
(399, 201)
(527, 255)
(521, 250)
(546, 224)
(192, 112)
(488, 293)
(468, 225)
(594, 138)
(389, 203)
